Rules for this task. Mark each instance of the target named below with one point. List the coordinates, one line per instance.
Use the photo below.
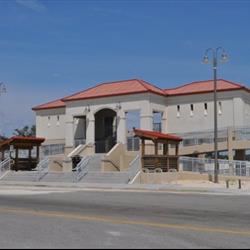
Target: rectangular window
(178, 111)
(58, 121)
(49, 121)
(157, 121)
(205, 108)
(220, 108)
(191, 109)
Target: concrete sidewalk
(215, 189)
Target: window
(178, 111)
(205, 108)
(49, 121)
(58, 121)
(191, 109)
(157, 121)
(220, 108)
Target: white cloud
(34, 5)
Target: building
(104, 115)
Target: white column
(121, 127)
(90, 130)
(147, 121)
(164, 122)
(69, 132)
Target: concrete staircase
(93, 176)
(95, 163)
(106, 177)
(26, 176)
(58, 177)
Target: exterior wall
(146, 103)
(52, 130)
(235, 113)
(232, 112)
(246, 114)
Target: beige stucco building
(104, 115)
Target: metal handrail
(5, 165)
(42, 168)
(81, 169)
(204, 165)
(134, 168)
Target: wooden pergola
(17, 143)
(164, 161)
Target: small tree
(26, 131)
(2, 138)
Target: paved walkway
(184, 187)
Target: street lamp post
(214, 62)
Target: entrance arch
(105, 130)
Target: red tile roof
(50, 105)
(125, 87)
(155, 135)
(136, 86)
(204, 87)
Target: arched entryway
(105, 130)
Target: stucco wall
(146, 103)
(232, 112)
(51, 130)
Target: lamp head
(205, 59)
(224, 57)
(3, 88)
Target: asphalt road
(93, 219)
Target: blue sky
(52, 48)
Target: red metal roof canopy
(153, 135)
(22, 140)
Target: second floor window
(205, 108)
(178, 111)
(191, 109)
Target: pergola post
(177, 154)
(142, 152)
(37, 152)
(16, 160)
(156, 154)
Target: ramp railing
(134, 168)
(42, 168)
(5, 166)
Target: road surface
(115, 219)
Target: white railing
(42, 169)
(242, 133)
(226, 167)
(134, 168)
(5, 166)
(81, 169)
(202, 137)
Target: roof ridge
(96, 86)
(187, 84)
(145, 83)
(220, 79)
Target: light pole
(214, 62)
(3, 89)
